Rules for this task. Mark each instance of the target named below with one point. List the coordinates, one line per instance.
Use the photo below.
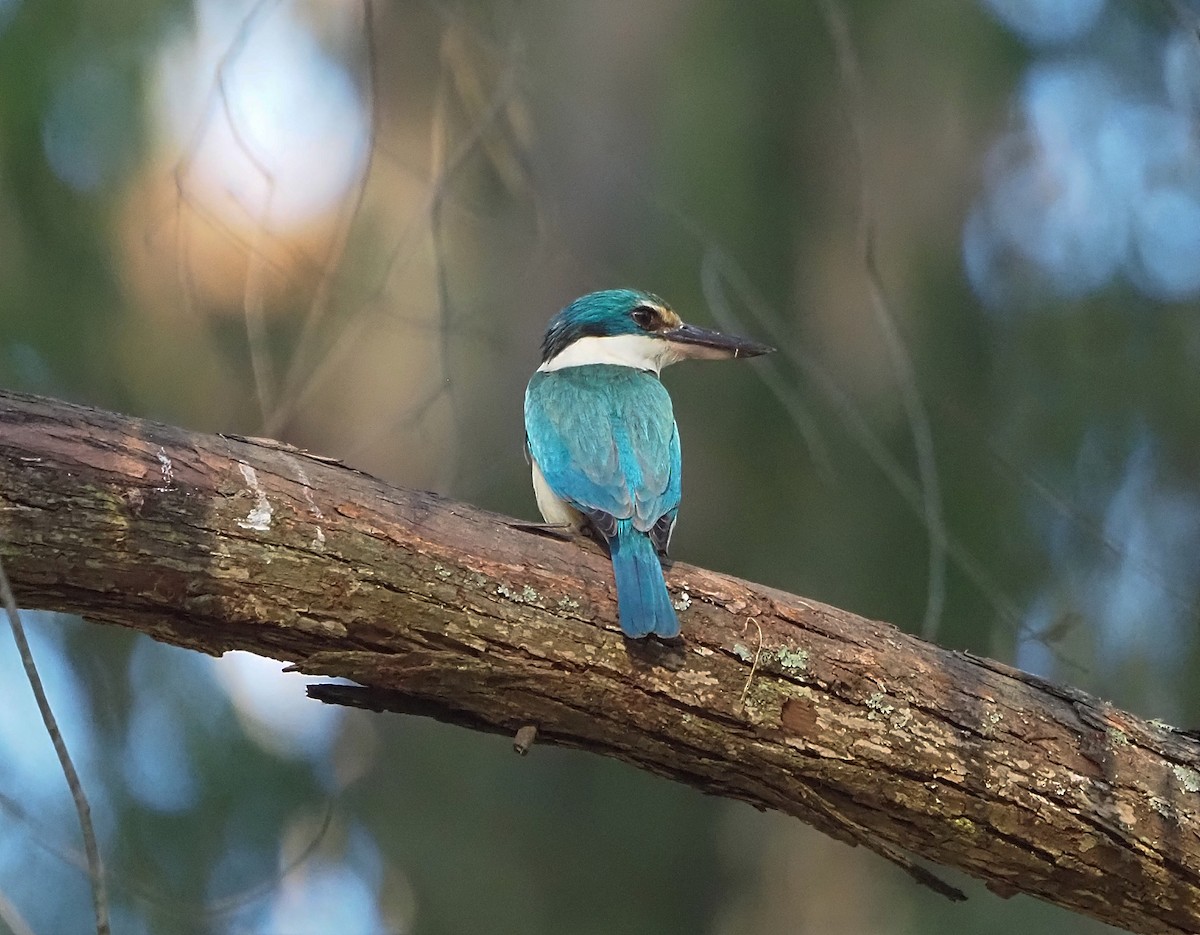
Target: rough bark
(440, 609)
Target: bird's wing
(604, 438)
(668, 503)
(656, 500)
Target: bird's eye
(644, 317)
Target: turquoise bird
(602, 438)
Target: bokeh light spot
(1181, 72)
(1047, 21)
(273, 708)
(273, 129)
(84, 134)
(1093, 181)
(7, 9)
(1167, 234)
(156, 763)
(325, 897)
(27, 758)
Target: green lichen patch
(795, 660)
(526, 595)
(877, 707)
(1188, 777)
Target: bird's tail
(642, 599)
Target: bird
(602, 440)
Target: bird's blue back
(605, 439)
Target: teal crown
(597, 315)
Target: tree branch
(443, 610)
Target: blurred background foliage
(346, 226)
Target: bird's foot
(656, 652)
(563, 531)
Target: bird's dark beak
(705, 344)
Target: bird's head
(633, 329)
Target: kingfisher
(602, 438)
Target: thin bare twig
(716, 267)
(324, 293)
(914, 407)
(253, 302)
(95, 866)
(226, 906)
(11, 916)
(144, 892)
(848, 412)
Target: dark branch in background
(445, 611)
(94, 865)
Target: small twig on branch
(754, 664)
(524, 740)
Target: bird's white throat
(624, 350)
